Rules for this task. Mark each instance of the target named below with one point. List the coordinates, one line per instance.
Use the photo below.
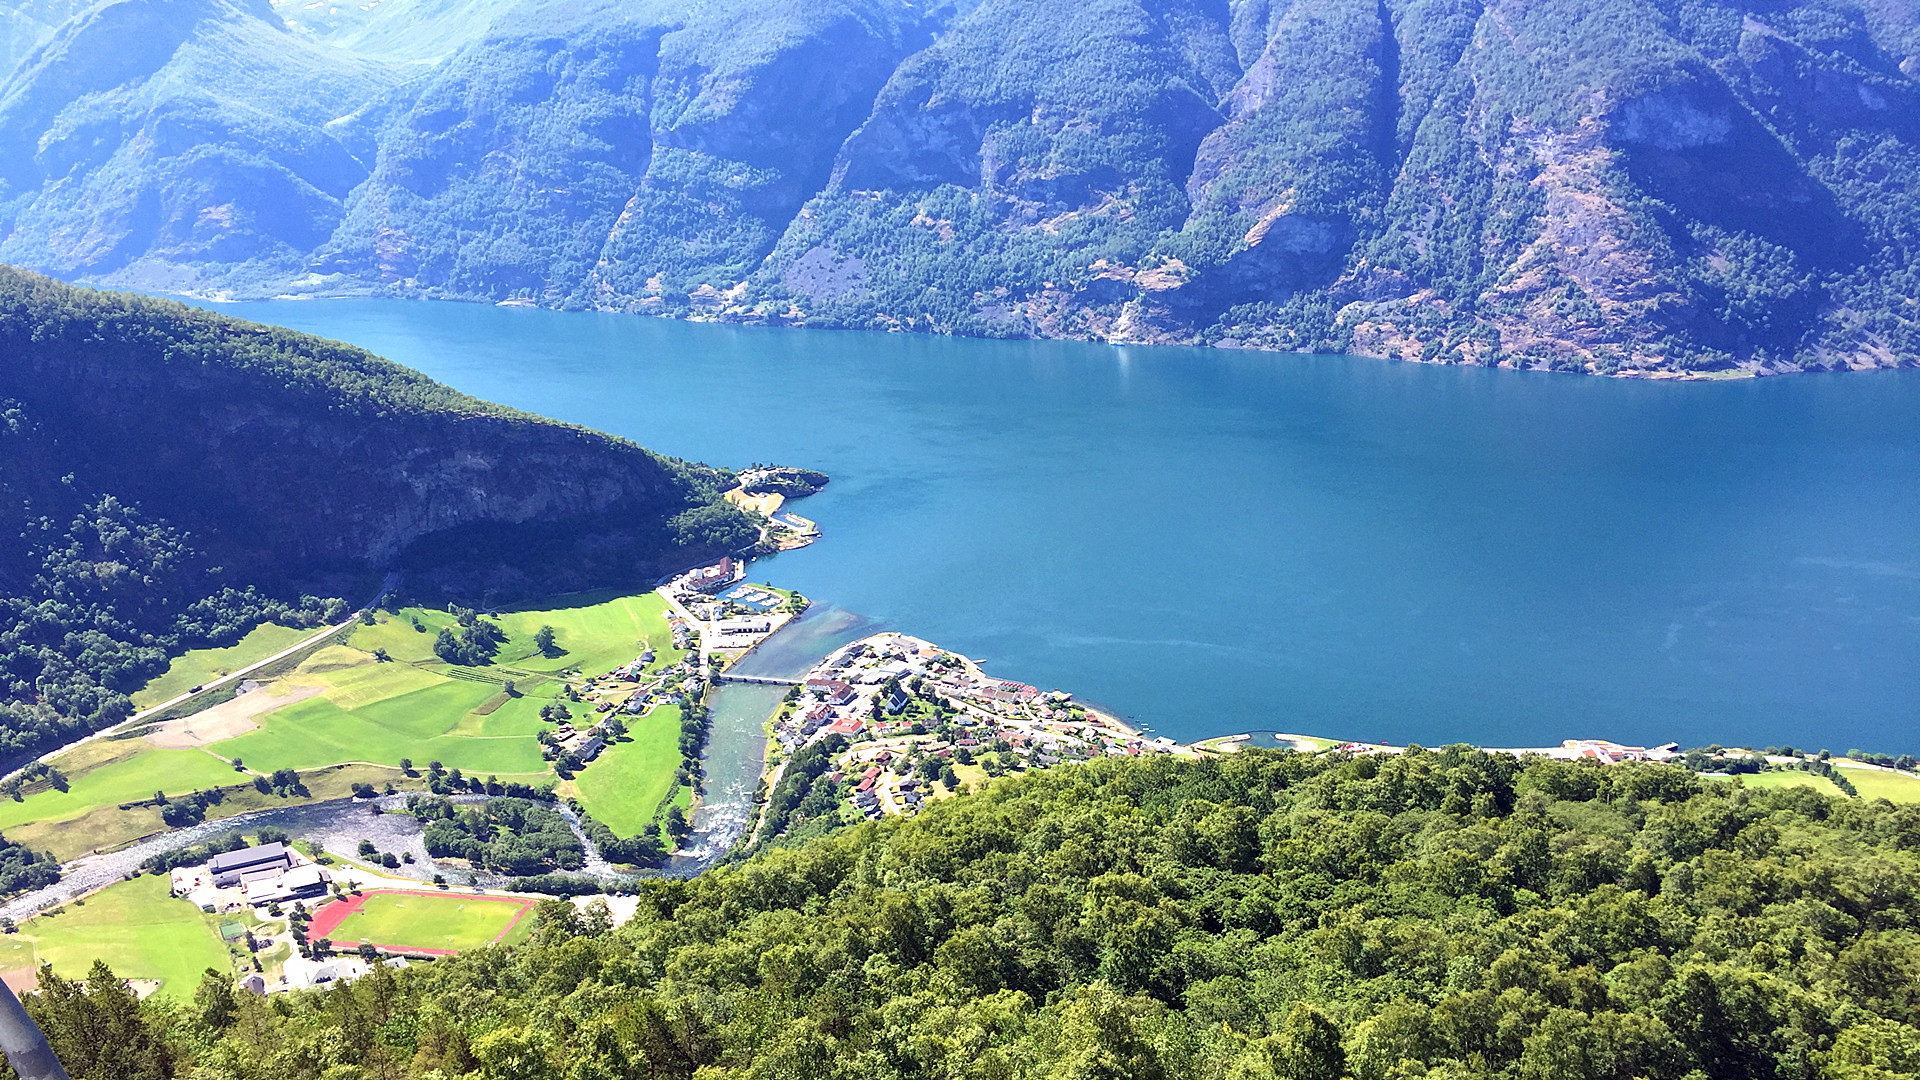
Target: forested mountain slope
(1451, 914)
(169, 477)
(1602, 185)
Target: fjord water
(1211, 541)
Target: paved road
(90, 872)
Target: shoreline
(1738, 372)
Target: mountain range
(1658, 187)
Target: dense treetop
(1448, 913)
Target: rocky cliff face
(283, 453)
(1652, 187)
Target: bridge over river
(760, 680)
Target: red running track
(328, 917)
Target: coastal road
(306, 643)
(707, 633)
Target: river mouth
(736, 753)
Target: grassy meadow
(134, 771)
(136, 926)
(1793, 778)
(191, 669)
(624, 787)
(1880, 784)
(352, 718)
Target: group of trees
(285, 783)
(33, 772)
(507, 835)
(693, 740)
(803, 796)
(189, 809)
(479, 639)
(22, 868)
(1267, 914)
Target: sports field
(436, 922)
(137, 927)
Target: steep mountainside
(168, 477)
(1604, 185)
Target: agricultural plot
(439, 922)
(137, 927)
(631, 778)
(190, 669)
(343, 706)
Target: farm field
(415, 722)
(437, 921)
(137, 927)
(1880, 784)
(341, 706)
(136, 772)
(624, 787)
(1791, 779)
(190, 669)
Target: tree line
(1266, 914)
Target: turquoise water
(1212, 541)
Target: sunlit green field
(417, 921)
(138, 776)
(418, 707)
(140, 930)
(359, 710)
(413, 723)
(624, 786)
(1879, 784)
(593, 633)
(1793, 778)
(203, 665)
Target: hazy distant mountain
(1599, 185)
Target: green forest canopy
(1447, 914)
